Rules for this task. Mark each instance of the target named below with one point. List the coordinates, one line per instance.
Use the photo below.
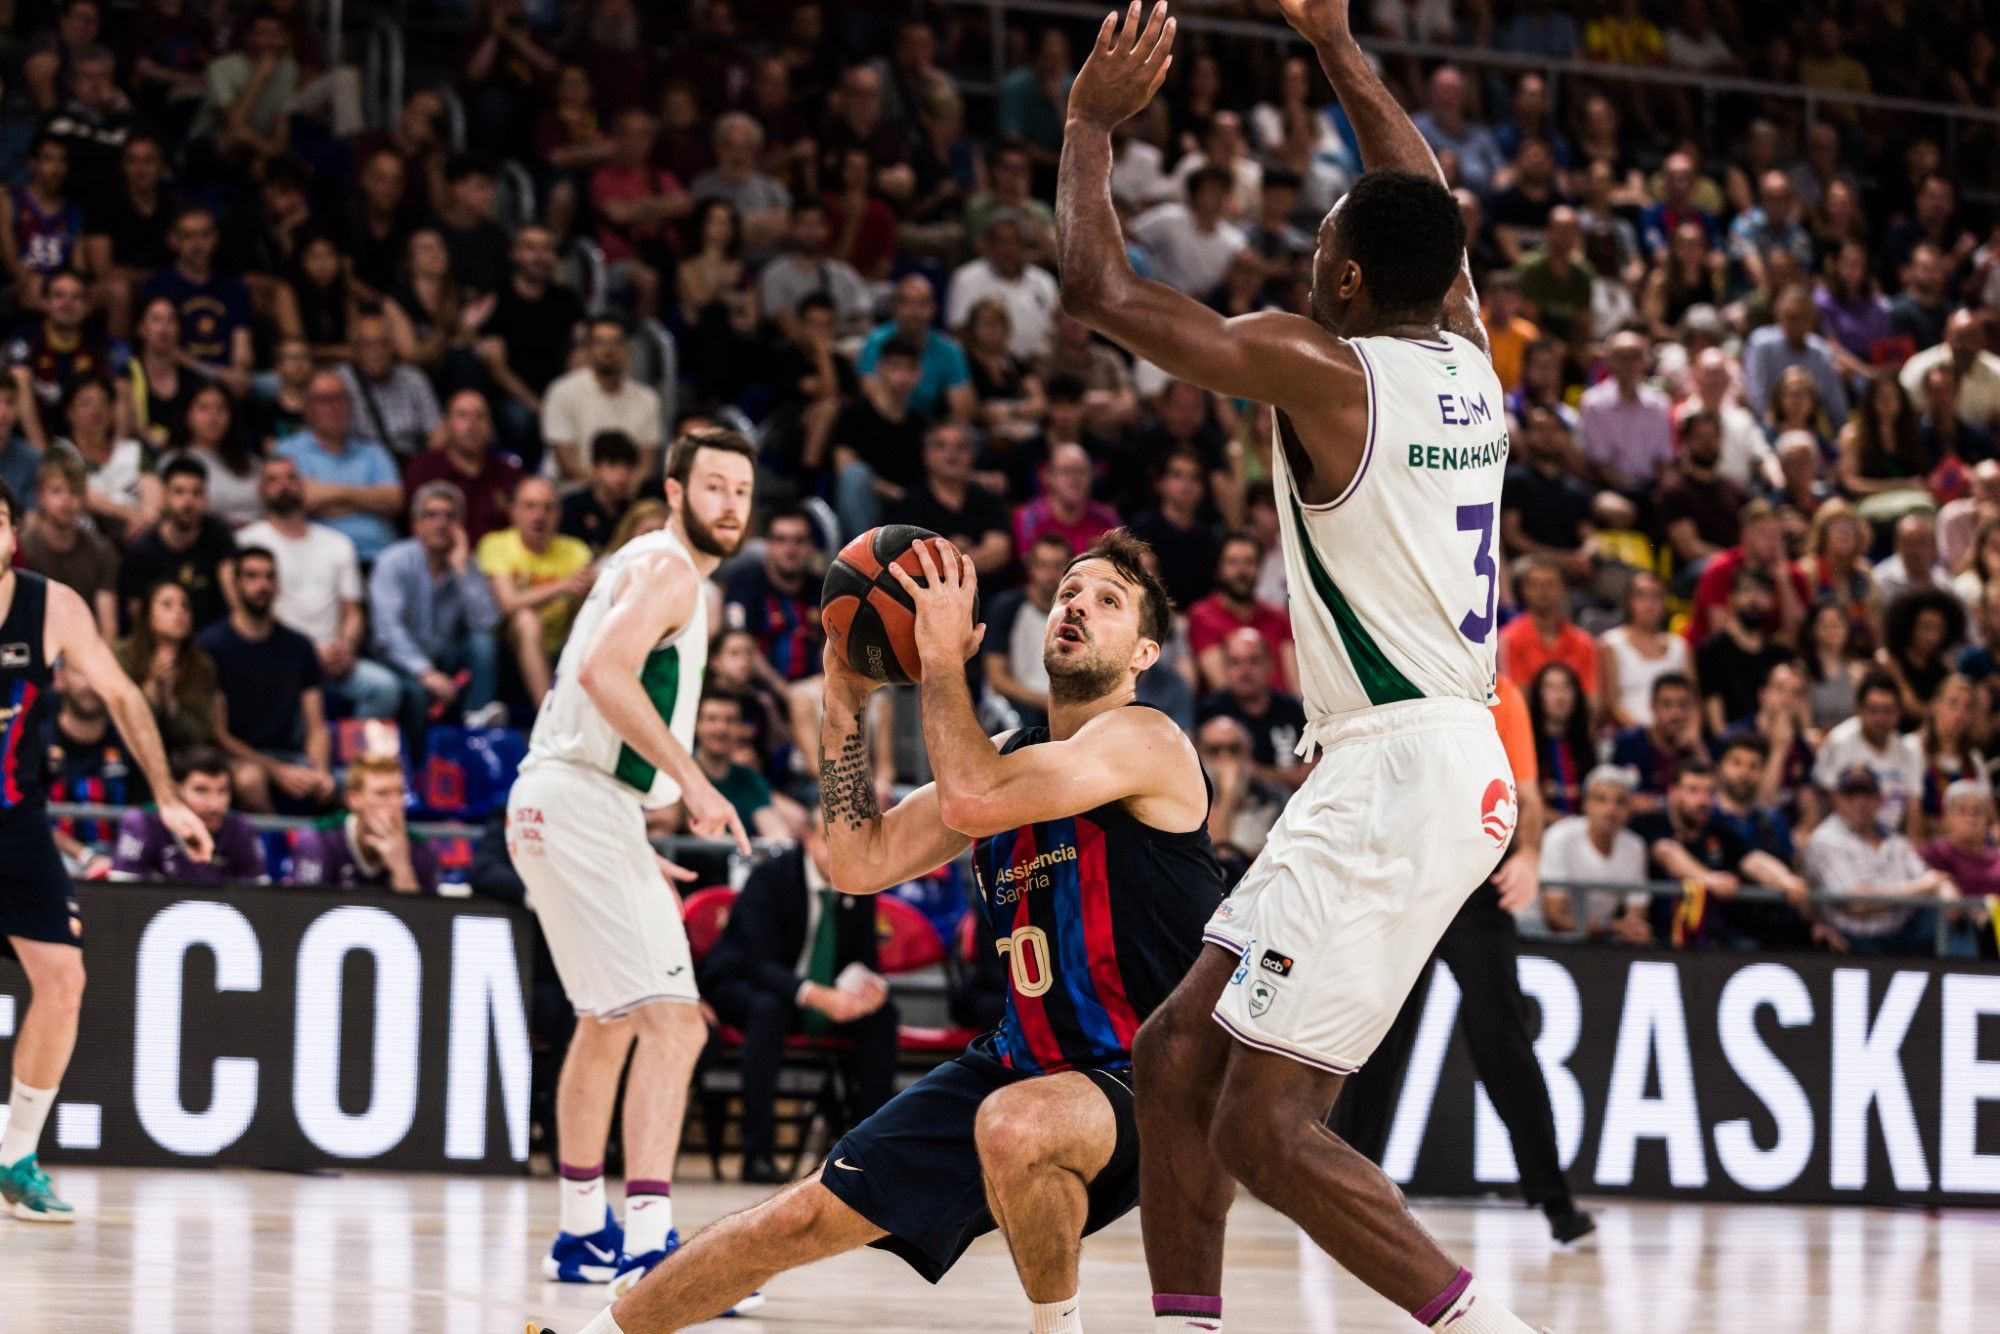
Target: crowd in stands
(332, 420)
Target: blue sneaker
(632, 1268)
(31, 1196)
(587, 1259)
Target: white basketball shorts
(1406, 814)
(613, 923)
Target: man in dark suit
(778, 970)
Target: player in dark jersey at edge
(41, 622)
(1090, 845)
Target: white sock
(1186, 1313)
(1476, 1313)
(604, 1324)
(582, 1203)
(1186, 1324)
(1063, 1317)
(27, 1111)
(649, 1216)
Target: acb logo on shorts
(1274, 962)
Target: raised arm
(1385, 132)
(1268, 357)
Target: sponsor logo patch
(1276, 963)
(1262, 996)
(14, 655)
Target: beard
(258, 607)
(286, 504)
(705, 539)
(1082, 679)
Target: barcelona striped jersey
(1098, 916)
(24, 696)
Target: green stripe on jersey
(661, 678)
(1379, 678)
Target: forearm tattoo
(847, 783)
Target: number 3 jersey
(1394, 582)
(1097, 917)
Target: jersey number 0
(1027, 956)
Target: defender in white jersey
(613, 740)
(1391, 444)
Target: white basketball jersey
(1393, 583)
(570, 727)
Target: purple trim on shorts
(621, 1011)
(580, 1173)
(1424, 343)
(648, 1188)
(1184, 1303)
(1441, 1303)
(1265, 1045)
(1367, 451)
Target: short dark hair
(1127, 554)
(905, 349)
(1694, 766)
(183, 465)
(1670, 681)
(1232, 539)
(460, 166)
(1052, 539)
(1702, 417)
(200, 760)
(1208, 175)
(1065, 387)
(815, 301)
(1746, 577)
(790, 514)
(256, 553)
(1875, 682)
(613, 447)
(612, 318)
(1753, 742)
(680, 454)
(1282, 178)
(712, 695)
(1405, 232)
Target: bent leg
(1177, 1065)
(735, 1256)
(1041, 1142)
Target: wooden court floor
(227, 1252)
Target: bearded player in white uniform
(1391, 445)
(611, 741)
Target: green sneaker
(31, 1195)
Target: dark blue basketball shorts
(37, 900)
(912, 1169)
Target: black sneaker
(1568, 1224)
(763, 1172)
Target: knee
(797, 1212)
(58, 987)
(524, 628)
(1159, 1065)
(1011, 1134)
(251, 789)
(671, 1023)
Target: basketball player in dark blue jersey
(41, 622)
(1090, 845)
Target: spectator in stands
(1556, 280)
(1234, 605)
(1065, 509)
(1543, 632)
(1003, 272)
(1964, 851)
(1698, 508)
(1636, 652)
(1446, 127)
(1519, 214)
(87, 758)
(319, 590)
(1852, 312)
(1242, 807)
(1870, 740)
(123, 496)
(949, 502)
(1789, 342)
(539, 579)
(526, 342)
(48, 358)
(1016, 624)
(1627, 424)
(944, 381)
(1920, 310)
(41, 223)
(245, 119)
(798, 957)
(214, 307)
(761, 202)
(591, 513)
(1673, 738)
(1945, 743)
(1775, 222)
(1563, 731)
(208, 435)
(1859, 852)
(599, 395)
(273, 718)
(805, 269)
(127, 240)
(463, 215)
(147, 850)
(1011, 180)
(392, 401)
(435, 616)
(1947, 436)
(1781, 723)
(1594, 848)
(776, 599)
(1761, 547)
(1108, 400)
(1978, 370)
(1733, 662)
(811, 382)
(57, 543)
(176, 677)
(1180, 536)
(371, 848)
(1193, 244)
(878, 440)
(19, 458)
(1743, 766)
(1914, 564)
(1921, 633)
(465, 459)
(1882, 451)
(188, 545)
(1545, 510)
(1011, 405)
(1688, 841)
(1274, 719)
(718, 728)
(351, 485)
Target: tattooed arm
(869, 851)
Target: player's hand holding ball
(947, 603)
(1125, 67)
(871, 608)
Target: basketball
(867, 615)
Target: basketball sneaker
(632, 1268)
(587, 1259)
(1570, 1226)
(31, 1196)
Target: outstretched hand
(1317, 20)
(1125, 67)
(944, 602)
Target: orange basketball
(868, 616)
